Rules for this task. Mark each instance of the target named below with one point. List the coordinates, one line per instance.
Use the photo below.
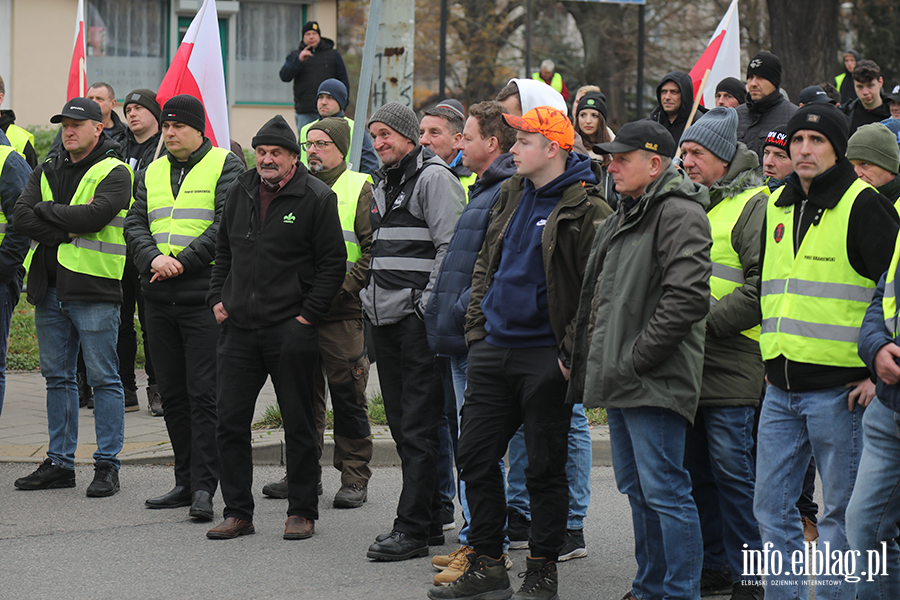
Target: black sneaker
(131, 401)
(573, 545)
(48, 476)
(106, 480)
(447, 520)
(541, 580)
(518, 529)
(714, 582)
(748, 590)
(483, 579)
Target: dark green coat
(642, 311)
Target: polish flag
(722, 56)
(77, 86)
(197, 70)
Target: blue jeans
(874, 507)
(9, 297)
(792, 426)
(60, 327)
(303, 119)
(719, 456)
(578, 470)
(648, 458)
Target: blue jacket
(872, 336)
(445, 315)
(15, 245)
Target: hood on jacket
(7, 118)
(578, 169)
(500, 170)
(324, 44)
(743, 174)
(685, 85)
(533, 93)
(855, 55)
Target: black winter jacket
(14, 246)
(325, 63)
(756, 118)
(191, 286)
(293, 264)
(677, 127)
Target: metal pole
(640, 64)
(442, 69)
(528, 39)
(365, 84)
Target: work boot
(131, 401)
(351, 495)
(541, 580)
(483, 578)
(278, 489)
(154, 401)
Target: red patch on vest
(779, 232)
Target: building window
(266, 34)
(126, 43)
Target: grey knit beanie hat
(398, 117)
(875, 144)
(716, 131)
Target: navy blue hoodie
(515, 306)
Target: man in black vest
(308, 66)
(414, 210)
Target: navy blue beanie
(336, 89)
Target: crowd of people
(721, 280)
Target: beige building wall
(40, 56)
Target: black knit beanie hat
(145, 98)
(827, 119)
(276, 132)
(733, 86)
(185, 109)
(767, 66)
(594, 100)
(777, 137)
(337, 129)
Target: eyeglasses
(319, 144)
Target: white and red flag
(722, 56)
(197, 70)
(77, 86)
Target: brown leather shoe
(299, 528)
(230, 528)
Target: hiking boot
(442, 561)
(482, 579)
(154, 401)
(131, 401)
(518, 529)
(457, 566)
(573, 545)
(748, 590)
(48, 476)
(714, 582)
(106, 480)
(541, 580)
(397, 546)
(351, 495)
(276, 489)
(810, 529)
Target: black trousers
(287, 352)
(506, 388)
(413, 403)
(183, 342)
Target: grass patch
(271, 418)
(596, 416)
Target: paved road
(61, 544)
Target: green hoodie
(640, 324)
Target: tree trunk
(805, 37)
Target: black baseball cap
(640, 135)
(80, 109)
(814, 95)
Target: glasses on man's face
(319, 144)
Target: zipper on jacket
(787, 381)
(181, 177)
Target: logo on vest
(779, 232)
(541, 223)
(289, 218)
(399, 200)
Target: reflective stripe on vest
(19, 138)
(176, 222)
(100, 254)
(348, 187)
(889, 300)
(306, 129)
(556, 82)
(813, 302)
(5, 151)
(727, 271)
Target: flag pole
(697, 99)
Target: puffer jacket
(445, 315)
(756, 118)
(642, 309)
(733, 369)
(565, 244)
